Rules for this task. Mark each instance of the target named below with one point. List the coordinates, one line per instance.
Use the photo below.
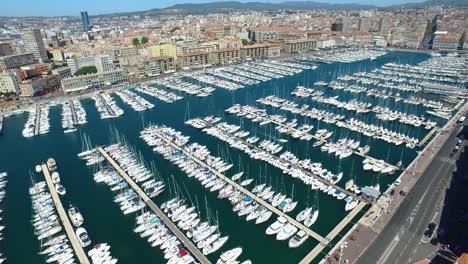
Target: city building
(85, 21)
(224, 56)
(64, 72)
(16, 61)
(95, 80)
(260, 35)
(443, 42)
(337, 27)
(33, 43)
(5, 49)
(9, 82)
(57, 55)
(39, 86)
(260, 51)
(298, 46)
(33, 70)
(102, 63)
(163, 50)
(364, 24)
(156, 66)
(193, 60)
(219, 30)
(117, 52)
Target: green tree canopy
(144, 40)
(86, 70)
(174, 29)
(136, 42)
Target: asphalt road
(399, 239)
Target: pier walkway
(79, 252)
(106, 105)
(323, 140)
(245, 191)
(73, 112)
(308, 173)
(427, 137)
(180, 235)
(317, 249)
(37, 121)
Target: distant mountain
(233, 6)
(427, 3)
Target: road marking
(389, 250)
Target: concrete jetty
(37, 122)
(245, 191)
(180, 235)
(79, 252)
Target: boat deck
(180, 235)
(246, 192)
(310, 174)
(79, 252)
(317, 249)
(37, 121)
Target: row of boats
(135, 101)
(239, 76)
(308, 172)
(177, 83)
(37, 122)
(345, 55)
(243, 205)
(159, 94)
(73, 114)
(382, 113)
(106, 106)
(3, 183)
(352, 124)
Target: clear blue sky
(94, 7)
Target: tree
(144, 40)
(246, 42)
(174, 29)
(86, 70)
(136, 42)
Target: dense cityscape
(227, 132)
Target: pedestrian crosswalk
(447, 160)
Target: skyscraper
(85, 21)
(33, 43)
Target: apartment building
(16, 61)
(82, 82)
(193, 59)
(224, 56)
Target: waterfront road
(399, 239)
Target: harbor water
(105, 222)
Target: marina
(279, 158)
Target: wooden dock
(79, 252)
(308, 173)
(246, 192)
(317, 249)
(37, 122)
(180, 235)
(427, 137)
(74, 118)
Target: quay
(180, 235)
(37, 121)
(323, 140)
(299, 168)
(317, 249)
(427, 137)
(79, 252)
(246, 192)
